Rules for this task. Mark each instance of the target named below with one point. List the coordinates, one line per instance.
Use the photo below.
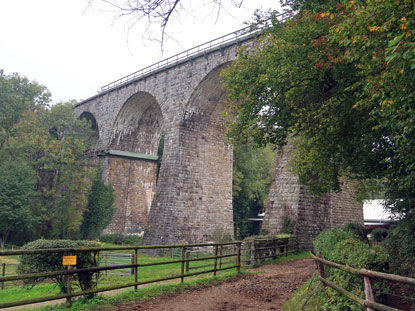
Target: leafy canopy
(338, 79)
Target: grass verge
(144, 292)
(305, 292)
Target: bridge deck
(234, 38)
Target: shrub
(358, 230)
(400, 244)
(121, 239)
(345, 247)
(379, 234)
(288, 225)
(35, 263)
(326, 241)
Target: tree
(18, 94)
(252, 175)
(53, 142)
(159, 12)
(17, 189)
(338, 79)
(98, 214)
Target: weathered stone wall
(134, 182)
(311, 216)
(193, 195)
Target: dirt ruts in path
(264, 291)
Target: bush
(358, 230)
(400, 244)
(379, 234)
(35, 263)
(326, 241)
(345, 247)
(121, 239)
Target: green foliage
(302, 294)
(358, 229)
(99, 211)
(345, 247)
(17, 188)
(52, 141)
(252, 175)
(326, 241)
(17, 94)
(379, 234)
(53, 262)
(288, 225)
(120, 239)
(400, 244)
(337, 77)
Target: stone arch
(86, 115)
(138, 125)
(132, 161)
(198, 204)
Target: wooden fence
(135, 266)
(369, 301)
(195, 257)
(256, 250)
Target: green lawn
(315, 299)
(16, 293)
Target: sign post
(69, 261)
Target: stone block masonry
(290, 201)
(192, 198)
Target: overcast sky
(74, 49)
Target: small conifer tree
(100, 209)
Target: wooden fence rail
(134, 265)
(258, 249)
(369, 301)
(222, 256)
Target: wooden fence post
(253, 259)
(368, 292)
(220, 259)
(135, 268)
(215, 265)
(183, 257)
(68, 286)
(239, 258)
(4, 274)
(320, 268)
(187, 262)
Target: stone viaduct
(189, 198)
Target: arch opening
(89, 117)
(132, 161)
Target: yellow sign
(69, 261)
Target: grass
(17, 293)
(107, 302)
(300, 296)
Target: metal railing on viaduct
(234, 38)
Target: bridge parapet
(234, 38)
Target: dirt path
(265, 291)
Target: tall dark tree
(17, 190)
(98, 214)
